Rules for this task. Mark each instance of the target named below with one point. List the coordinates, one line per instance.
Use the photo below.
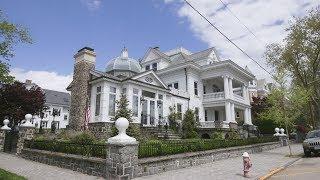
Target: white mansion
(216, 90)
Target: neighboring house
(259, 88)
(216, 90)
(57, 108)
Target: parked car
(312, 143)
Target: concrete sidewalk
(37, 171)
(232, 168)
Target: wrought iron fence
(89, 150)
(162, 148)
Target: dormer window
(155, 66)
(147, 67)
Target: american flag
(87, 117)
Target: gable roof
(156, 52)
(203, 54)
(136, 77)
(57, 98)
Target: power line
(229, 39)
(234, 15)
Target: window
(147, 67)
(112, 101)
(98, 101)
(204, 89)
(135, 105)
(195, 85)
(136, 91)
(65, 117)
(206, 115)
(169, 86)
(124, 90)
(196, 114)
(160, 96)
(179, 111)
(155, 66)
(216, 115)
(176, 85)
(148, 94)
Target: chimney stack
(85, 60)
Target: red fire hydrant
(246, 164)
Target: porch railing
(213, 96)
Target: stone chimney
(85, 60)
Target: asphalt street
(303, 169)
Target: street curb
(275, 171)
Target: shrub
(83, 138)
(189, 125)
(217, 135)
(233, 135)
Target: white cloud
(92, 4)
(44, 79)
(267, 19)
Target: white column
(156, 115)
(246, 117)
(230, 88)
(228, 113)
(244, 94)
(249, 116)
(233, 117)
(226, 87)
(248, 95)
(148, 112)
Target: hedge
(162, 148)
(89, 150)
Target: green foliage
(6, 175)
(217, 135)
(266, 126)
(84, 149)
(11, 35)
(173, 117)
(299, 59)
(189, 125)
(83, 138)
(163, 148)
(233, 135)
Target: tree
(10, 35)
(300, 58)
(287, 103)
(124, 111)
(189, 125)
(16, 101)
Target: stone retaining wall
(155, 165)
(87, 165)
(146, 166)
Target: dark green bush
(217, 135)
(83, 138)
(162, 148)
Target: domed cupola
(123, 65)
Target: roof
(57, 98)
(123, 63)
(202, 54)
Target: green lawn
(5, 175)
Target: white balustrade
(213, 96)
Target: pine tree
(189, 125)
(125, 112)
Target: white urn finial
(277, 131)
(28, 121)
(282, 132)
(5, 125)
(122, 125)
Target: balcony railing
(238, 98)
(213, 96)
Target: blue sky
(60, 27)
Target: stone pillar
(2, 139)
(25, 133)
(230, 88)
(122, 153)
(228, 113)
(226, 86)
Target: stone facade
(2, 140)
(101, 130)
(80, 89)
(87, 165)
(25, 133)
(155, 165)
(121, 161)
